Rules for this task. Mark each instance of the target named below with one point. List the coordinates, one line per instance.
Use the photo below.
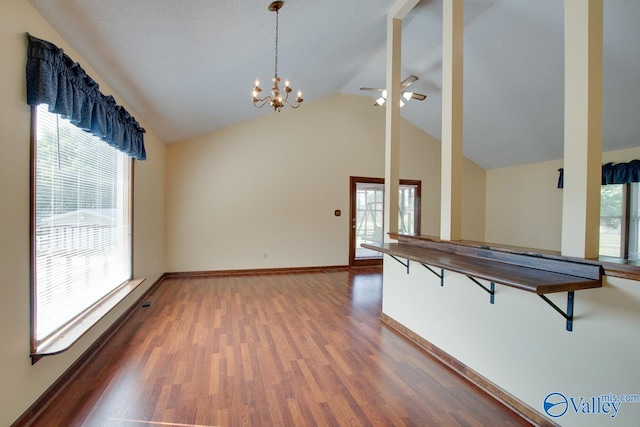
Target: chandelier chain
(276, 70)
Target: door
(367, 216)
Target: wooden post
(392, 129)
(452, 120)
(582, 128)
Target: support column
(392, 128)
(452, 120)
(582, 128)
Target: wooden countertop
(528, 273)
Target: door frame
(353, 181)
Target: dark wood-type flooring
(296, 349)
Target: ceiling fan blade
(419, 96)
(375, 89)
(406, 82)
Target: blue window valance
(54, 79)
(613, 173)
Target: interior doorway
(367, 216)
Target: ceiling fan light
(405, 96)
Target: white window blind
(82, 214)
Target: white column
(582, 128)
(392, 129)
(452, 124)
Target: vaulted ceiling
(186, 67)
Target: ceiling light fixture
(275, 100)
(405, 95)
(383, 98)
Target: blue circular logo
(555, 405)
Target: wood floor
(296, 349)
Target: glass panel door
(367, 216)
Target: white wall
(21, 382)
(271, 186)
(520, 343)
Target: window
(619, 220)
(408, 209)
(81, 223)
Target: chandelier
(275, 100)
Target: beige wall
(21, 382)
(271, 186)
(621, 156)
(230, 197)
(474, 195)
(524, 205)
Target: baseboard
(41, 403)
(288, 270)
(513, 403)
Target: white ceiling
(186, 67)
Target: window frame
(72, 331)
(625, 224)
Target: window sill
(623, 268)
(71, 333)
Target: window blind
(82, 214)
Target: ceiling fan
(406, 95)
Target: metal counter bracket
(441, 275)
(491, 290)
(569, 314)
(588, 277)
(406, 265)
